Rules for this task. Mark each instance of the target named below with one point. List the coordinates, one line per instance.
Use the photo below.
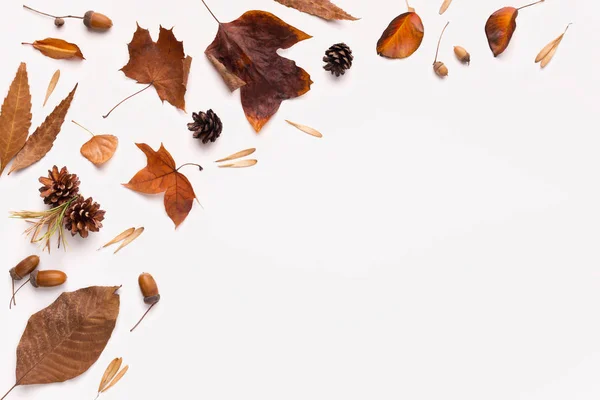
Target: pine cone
(206, 126)
(338, 58)
(59, 187)
(83, 216)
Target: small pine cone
(59, 187)
(338, 59)
(206, 126)
(83, 216)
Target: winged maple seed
(239, 154)
(161, 64)
(321, 8)
(57, 49)
(547, 53)
(403, 36)
(161, 175)
(130, 239)
(111, 372)
(244, 52)
(240, 164)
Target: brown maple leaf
(245, 54)
(162, 175)
(161, 64)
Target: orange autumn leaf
(402, 37)
(100, 148)
(57, 49)
(161, 175)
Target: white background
(440, 241)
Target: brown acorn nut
(462, 55)
(149, 290)
(95, 20)
(24, 268)
(49, 278)
(439, 67)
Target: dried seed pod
(19, 271)
(439, 67)
(59, 22)
(49, 278)
(95, 20)
(149, 290)
(462, 55)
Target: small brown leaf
(51, 85)
(130, 238)
(237, 155)
(100, 148)
(306, 129)
(117, 378)
(42, 140)
(402, 37)
(321, 8)
(445, 6)
(57, 49)
(110, 372)
(119, 237)
(547, 53)
(240, 164)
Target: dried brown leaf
(445, 6)
(119, 237)
(240, 164)
(41, 141)
(15, 118)
(110, 372)
(117, 378)
(237, 155)
(306, 129)
(130, 238)
(321, 8)
(100, 148)
(57, 49)
(51, 85)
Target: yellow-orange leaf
(500, 27)
(402, 37)
(100, 148)
(57, 49)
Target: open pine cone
(83, 216)
(59, 187)
(207, 126)
(338, 58)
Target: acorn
(149, 290)
(440, 69)
(95, 20)
(462, 55)
(49, 278)
(20, 271)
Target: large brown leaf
(321, 8)
(499, 29)
(402, 37)
(162, 64)
(161, 175)
(42, 140)
(63, 340)
(15, 118)
(245, 54)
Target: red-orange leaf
(500, 27)
(244, 52)
(402, 37)
(161, 175)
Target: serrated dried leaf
(41, 141)
(547, 53)
(237, 155)
(119, 237)
(58, 49)
(130, 238)
(51, 85)
(240, 164)
(100, 148)
(15, 118)
(117, 378)
(445, 6)
(110, 372)
(321, 8)
(306, 129)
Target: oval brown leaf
(402, 37)
(499, 29)
(57, 49)
(100, 148)
(63, 340)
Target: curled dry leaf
(237, 155)
(130, 238)
(547, 53)
(321, 8)
(119, 237)
(51, 85)
(42, 140)
(306, 129)
(244, 52)
(15, 118)
(57, 49)
(445, 6)
(240, 164)
(402, 37)
(63, 340)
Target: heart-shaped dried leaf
(51, 86)
(402, 37)
(41, 141)
(499, 29)
(63, 340)
(15, 118)
(100, 148)
(57, 49)
(321, 8)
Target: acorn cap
(152, 299)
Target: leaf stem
(15, 293)
(440, 41)
(213, 15)
(143, 316)
(10, 390)
(124, 100)
(83, 127)
(532, 4)
(50, 15)
(186, 164)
